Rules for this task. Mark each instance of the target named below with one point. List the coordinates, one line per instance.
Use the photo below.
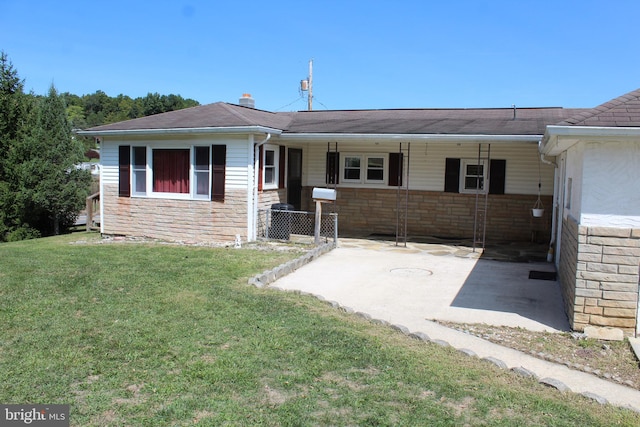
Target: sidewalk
(407, 287)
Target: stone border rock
(267, 277)
(270, 276)
(421, 336)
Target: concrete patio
(435, 281)
(411, 286)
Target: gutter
(554, 209)
(256, 167)
(413, 137)
(556, 130)
(560, 138)
(181, 131)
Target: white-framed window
(201, 172)
(364, 168)
(375, 169)
(352, 168)
(472, 176)
(171, 172)
(139, 171)
(270, 167)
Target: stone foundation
(199, 221)
(430, 213)
(599, 273)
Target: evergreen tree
(41, 190)
(51, 186)
(11, 97)
(12, 115)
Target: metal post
(318, 222)
(335, 230)
(266, 224)
(310, 99)
(89, 208)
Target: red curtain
(171, 171)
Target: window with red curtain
(171, 171)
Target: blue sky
(367, 54)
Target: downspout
(555, 204)
(256, 177)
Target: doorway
(294, 178)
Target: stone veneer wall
(178, 220)
(599, 273)
(267, 198)
(431, 213)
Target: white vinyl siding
(427, 163)
(238, 157)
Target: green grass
(153, 335)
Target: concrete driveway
(432, 282)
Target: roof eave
(558, 139)
(182, 131)
(461, 138)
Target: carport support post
(316, 233)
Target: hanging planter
(538, 210)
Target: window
(139, 171)
(270, 167)
(375, 169)
(201, 172)
(364, 169)
(351, 168)
(472, 176)
(464, 176)
(182, 173)
(171, 171)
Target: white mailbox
(324, 194)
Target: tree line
(98, 108)
(42, 189)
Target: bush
(23, 233)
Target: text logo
(34, 415)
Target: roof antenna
(514, 111)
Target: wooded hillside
(98, 108)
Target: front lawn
(152, 335)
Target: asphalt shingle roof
(623, 111)
(476, 121)
(472, 121)
(219, 114)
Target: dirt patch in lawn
(612, 360)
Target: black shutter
(124, 171)
(452, 176)
(281, 164)
(395, 169)
(333, 167)
(218, 171)
(497, 173)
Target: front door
(294, 178)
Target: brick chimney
(247, 101)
